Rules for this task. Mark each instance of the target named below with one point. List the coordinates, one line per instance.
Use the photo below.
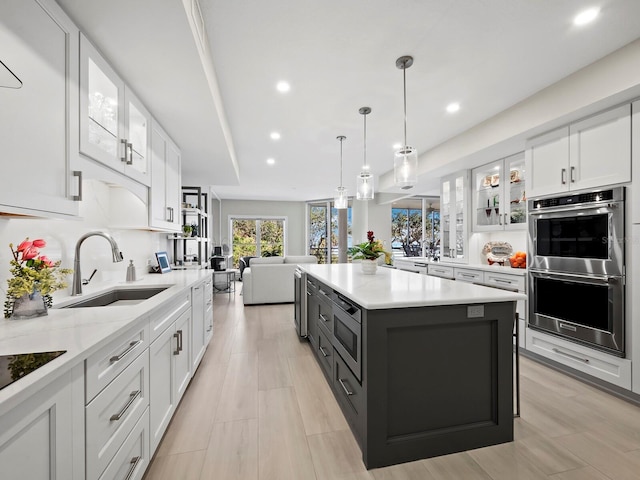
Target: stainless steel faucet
(77, 276)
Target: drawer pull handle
(323, 318)
(134, 463)
(210, 328)
(322, 351)
(344, 387)
(119, 357)
(499, 280)
(575, 357)
(132, 398)
(322, 292)
(467, 275)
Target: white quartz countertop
(473, 266)
(394, 288)
(81, 331)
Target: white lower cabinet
(614, 370)
(208, 311)
(170, 372)
(202, 326)
(111, 416)
(37, 436)
(134, 455)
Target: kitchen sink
(117, 297)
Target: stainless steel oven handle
(559, 276)
(575, 357)
(572, 208)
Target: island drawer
(325, 315)
(349, 393)
(108, 362)
(111, 416)
(325, 353)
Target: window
(323, 231)
(257, 237)
(415, 227)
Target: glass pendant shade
(405, 167)
(365, 186)
(341, 199)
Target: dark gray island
(420, 366)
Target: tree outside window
(257, 237)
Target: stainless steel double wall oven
(577, 269)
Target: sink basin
(117, 297)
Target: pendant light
(341, 200)
(405, 162)
(365, 179)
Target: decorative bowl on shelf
(497, 252)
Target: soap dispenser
(131, 272)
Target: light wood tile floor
(260, 408)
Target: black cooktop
(14, 367)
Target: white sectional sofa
(270, 279)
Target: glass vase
(29, 306)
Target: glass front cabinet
(114, 125)
(499, 195)
(454, 238)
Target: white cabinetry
(411, 265)
(202, 313)
(468, 275)
(170, 367)
(499, 196)
(38, 116)
(437, 270)
(453, 217)
(114, 125)
(635, 140)
(592, 153)
(37, 437)
(165, 194)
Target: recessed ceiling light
(283, 87)
(397, 146)
(587, 16)
(275, 136)
(453, 107)
(270, 161)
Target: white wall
(294, 211)
(61, 237)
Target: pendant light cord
(365, 140)
(341, 162)
(404, 82)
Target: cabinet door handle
(120, 356)
(506, 222)
(572, 177)
(499, 219)
(134, 463)
(344, 387)
(323, 318)
(563, 176)
(130, 158)
(132, 398)
(177, 337)
(323, 352)
(124, 142)
(78, 198)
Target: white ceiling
(338, 56)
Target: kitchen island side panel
(436, 381)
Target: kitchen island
(421, 366)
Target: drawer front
(312, 285)
(208, 291)
(597, 364)
(108, 362)
(111, 416)
(440, 271)
(505, 282)
(471, 276)
(325, 352)
(132, 459)
(163, 318)
(349, 393)
(325, 315)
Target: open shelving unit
(192, 250)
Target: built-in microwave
(347, 333)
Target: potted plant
(34, 279)
(186, 229)
(369, 252)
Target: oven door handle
(572, 208)
(599, 279)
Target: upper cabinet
(165, 193)
(454, 238)
(39, 126)
(499, 195)
(592, 153)
(114, 125)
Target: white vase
(369, 267)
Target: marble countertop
(81, 331)
(394, 288)
(474, 266)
